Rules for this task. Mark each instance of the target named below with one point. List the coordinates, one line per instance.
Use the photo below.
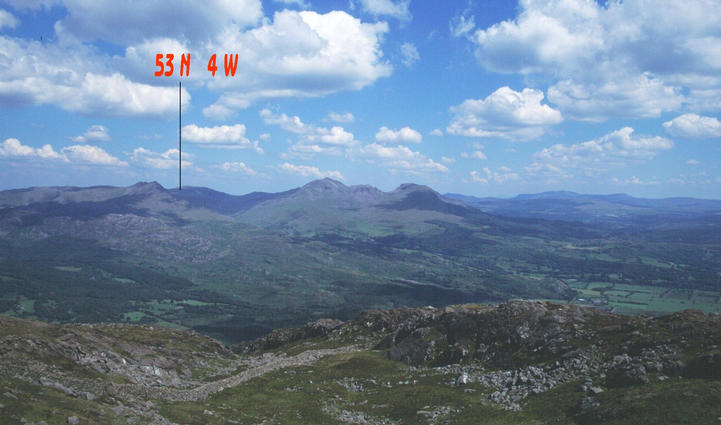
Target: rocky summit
(519, 362)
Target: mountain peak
(412, 187)
(325, 184)
(147, 187)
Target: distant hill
(616, 209)
(236, 267)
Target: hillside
(236, 267)
(521, 362)
(616, 210)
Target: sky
(484, 98)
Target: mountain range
(236, 267)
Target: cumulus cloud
(505, 113)
(162, 161)
(309, 171)
(436, 132)
(299, 54)
(236, 167)
(404, 135)
(409, 54)
(77, 154)
(220, 137)
(487, 175)
(91, 155)
(126, 21)
(313, 139)
(640, 95)
(341, 118)
(294, 54)
(628, 59)
(397, 9)
(615, 149)
(13, 148)
(96, 133)
(7, 20)
(396, 158)
(33, 73)
(693, 126)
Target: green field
(627, 298)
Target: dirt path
(264, 365)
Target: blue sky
(487, 98)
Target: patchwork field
(625, 298)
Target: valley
(236, 267)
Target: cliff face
(518, 362)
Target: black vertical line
(180, 145)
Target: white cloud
(91, 155)
(620, 95)
(162, 161)
(490, 176)
(693, 126)
(139, 60)
(398, 9)
(693, 162)
(505, 113)
(236, 167)
(397, 158)
(7, 20)
(34, 73)
(14, 148)
(447, 160)
(474, 155)
(306, 150)
(313, 139)
(220, 137)
(96, 133)
(633, 180)
(404, 135)
(341, 118)
(462, 25)
(618, 59)
(126, 21)
(309, 171)
(293, 124)
(218, 112)
(409, 54)
(300, 54)
(78, 154)
(437, 132)
(294, 54)
(615, 149)
(545, 169)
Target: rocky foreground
(518, 362)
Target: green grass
(635, 298)
(34, 403)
